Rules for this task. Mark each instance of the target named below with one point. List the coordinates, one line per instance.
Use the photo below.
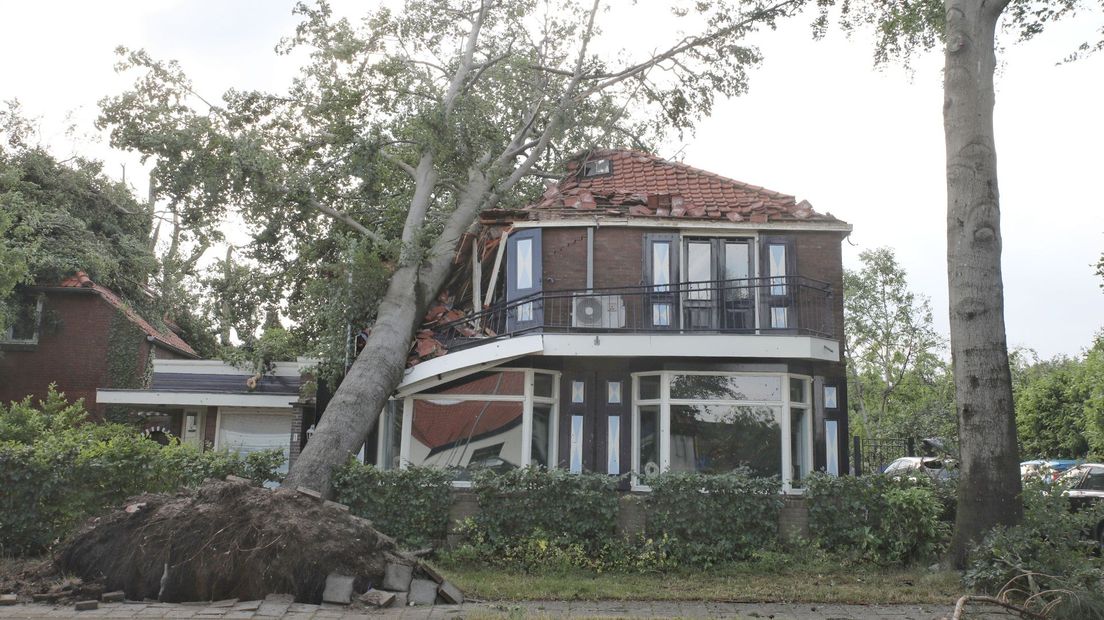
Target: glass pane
(737, 267)
(613, 445)
(699, 262)
(462, 436)
(578, 391)
(778, 274)
(648, 387)
(721, 438)
(525, 312)
(831, 445)
(661, 265)
(648, 440)
(661, 315)
(508, 383)
(799, 443)
(541, 445)
(613, 392)
(576, 461)
(779, 317)
(543, 384)
(797, 391)
(524, 264)
(726, 387)
(830, 397)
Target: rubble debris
(396, 577)
(377, 598)
(8, 599)
(423, 592)
(309, 493)
(339, 589)
(113, 597)
(86, 605)
(450, 593)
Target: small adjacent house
(214, 405)
(81, 336)
(643, 316)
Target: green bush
(553, 505)
(876, 518)
(1049, 558)
(411, 505)
(707, 519)
(57, 469)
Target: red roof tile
(643, 185)
(166, 337)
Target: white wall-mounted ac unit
(598, 311)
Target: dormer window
(597, 167)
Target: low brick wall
(632, 515)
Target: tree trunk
(356, 405)
(989, 488)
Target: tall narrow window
(576, 461)
(779, 317)
(661, 266)
(613, 445)
(525, 263)
(831, 446)
(699, 269)
(777, 254)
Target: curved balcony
(791, 305)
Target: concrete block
(247, 606)
(423, 592)
(450, 593)
(396, 577)
(431, 572)
(87, 605)
(8, 599)
(113, 597)
(339, 589)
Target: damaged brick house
(643, 316)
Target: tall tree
(990, 485)
(404, 127)
(893, 363)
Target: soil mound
(228, 540)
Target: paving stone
(229, 602)
(238, 614)
(8, 599)
(423, 591)
(431, 572)
(339, 589)
(378, 598)
(396, 577)
(248, 606)
(86, 605)
(450, 593)
(113, 597)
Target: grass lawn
(751, 582)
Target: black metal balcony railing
(775, 305)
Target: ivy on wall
(124, 355)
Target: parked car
(1085, 484)
(1048, 470)
(936, 468)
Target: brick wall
(819, 256)
(71, 351)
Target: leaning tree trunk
(989, 488)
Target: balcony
(790, 305)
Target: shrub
(1048, 558)
(411, 505)
(57, 469)
(876, 518)
(713, 518)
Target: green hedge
(708, 519)
(57, 469)
(876, 518)
(410, 505)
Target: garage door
(249, 431)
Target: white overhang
(458, 364)
(208, 399)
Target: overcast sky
(819, 122)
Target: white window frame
(7, 337)
(528, 398)
(782, 406)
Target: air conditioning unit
(598, 311)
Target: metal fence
(871, 456)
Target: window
(575, 464)
(613, 444)
(578, 392)
(661, 266)
(613, 392)
(497, 421)
(831, 445)
(777, 256)
(779, 316)
(830, 401)
(25, 323)
(597, 167)
(715, 422)
(699, 269)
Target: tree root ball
(227, 540)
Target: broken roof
(640, 184)
(165, 338)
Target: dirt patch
(227, 540)
(26, 576)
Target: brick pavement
(271, 610)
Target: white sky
(819, 123)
